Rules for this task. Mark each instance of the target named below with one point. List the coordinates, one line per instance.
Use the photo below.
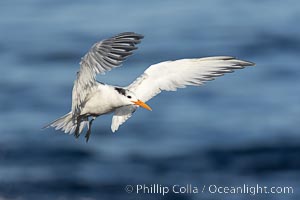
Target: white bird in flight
(91, 98)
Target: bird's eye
(129, 97)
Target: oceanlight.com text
(211, 189)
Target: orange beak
(142, 104)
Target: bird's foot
(77, 128)
(88, 133)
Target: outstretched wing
(171, 75)
(102, 57)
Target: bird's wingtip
(250, 63)
(114, 129)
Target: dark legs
(77, 127)
(88, 133)
(84, 120)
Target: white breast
(103, 100)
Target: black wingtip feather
(124, 47)
(129, 35)
(122, 53)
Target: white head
(129, 98)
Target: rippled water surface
(242, 128)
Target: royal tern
(91, 98)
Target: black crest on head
(121, 91)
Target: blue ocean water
(242, 128)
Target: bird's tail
(67, 124)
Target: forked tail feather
(67, 124)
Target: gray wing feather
(103, 56)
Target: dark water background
(242, 128)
